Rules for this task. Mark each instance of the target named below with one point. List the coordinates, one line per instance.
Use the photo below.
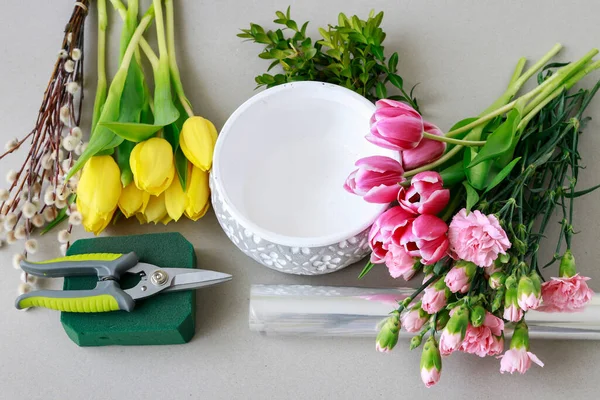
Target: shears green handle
(106, 296)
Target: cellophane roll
(305, 310)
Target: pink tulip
(477, 237)
(518, 360)
(434, 299)
(413, 320)
(399, 262)
(426, 194)
(424, 237)
(376, 179)
(568, 294)
(395, 126)
(426, 152)
(513, 313)
(380, 236)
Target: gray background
(462, 52)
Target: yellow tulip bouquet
(148, 154)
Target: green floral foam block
(168, 318)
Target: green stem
(135, 39)
(160, 30)
(418, 291)
(101, 88)
(453, 141)
(144, 45)
(176, 77)
(518, 71)
(538, 65)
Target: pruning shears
(108, 295)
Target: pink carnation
(434, 300)
(518, 360)
(565, 294)
(477, 237)
(485, 340)
(399, 262)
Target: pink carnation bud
(434, 298)
(413, 320)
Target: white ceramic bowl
(279, 166)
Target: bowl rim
(266, 234)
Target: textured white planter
(279, 166)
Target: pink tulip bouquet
(469, 209)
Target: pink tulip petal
(382, 194)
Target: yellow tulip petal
(152, 165)
(197, 141)
(198, 194)
(156, 209)
(132, 200)
(175, 200)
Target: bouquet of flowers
(469, 209)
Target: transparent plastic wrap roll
(304, 310)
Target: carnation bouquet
(469, 209)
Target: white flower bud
(69, 66)
(47, 161)
(61, 155)
(49, 197)
(76, 132)
(10, 221)
(63, 54)
(31, 246)
(11, 144)
(78, 150)
(38, 221)
(10, 237)
(20, 232)
(72, 184)
(72, 87)
(17, 258)
(73, 207)
(29, 210)
(49, 214)
(66, 165)
(69, 37)
(28, 278)
(63, 249)
(11, 176)
(4, 194)
(69, 142)
(60, 203)
(64, 236)
(75, 218)
(5, 207)
(24, 288)
(76, 54)
(84, 146)
(65, 114)
(62, 192)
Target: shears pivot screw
(159, 278)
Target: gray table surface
(462, 52)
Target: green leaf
(366, 269)
(310, 53)
(477, 176)
(381, 90)
(472, 196)
(502, 175)
(292, 25)
(581, 192)
(135, 132)
(165, 111)
(378, 52)
(396, 80)
(500, 141)
(181, 166)
(171, 134)
(393, 63)
(453, 174)
(123, 154)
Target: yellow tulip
(155, 211)
(152, 165)
(98, 192)
(175, 200)
(197, 140)
(197, 194)
(133, 200)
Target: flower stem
(102, 87)
(453, 141)
(175, 76)
(144, 45)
